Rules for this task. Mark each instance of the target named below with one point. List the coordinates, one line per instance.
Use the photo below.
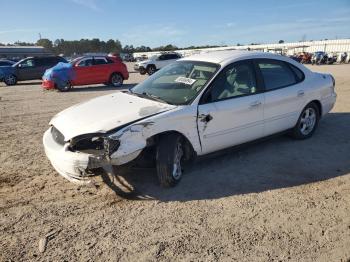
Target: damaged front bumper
(77, 166)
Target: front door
(83, 71)
(27, 70)
(231, 111)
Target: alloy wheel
(307, 121)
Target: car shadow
(31, 83)
(277, 163)
(100, 88)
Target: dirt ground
(277, 200)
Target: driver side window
(28, 63)
(235, 80)
(86, 62)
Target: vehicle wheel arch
(149, 65)
(116, 72)
(13, 75)
(190, 153)
(318, 104)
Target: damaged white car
(195, 106)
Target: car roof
(226, 57)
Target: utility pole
(39, 36)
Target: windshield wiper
(149, 96)
(156, 98)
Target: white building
(329, 46)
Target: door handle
(255, 104)
(301, 93)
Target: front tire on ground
(169, 159)
(307, 122)
(10, 80)
(64, 87)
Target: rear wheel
(116, 80)
(10, 80)
(151, 69)
(307, 122)
(170, 156)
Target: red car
(86, 70)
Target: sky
(179, 22)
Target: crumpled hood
(105, 113)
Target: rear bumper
(328, 103)
(48, 84)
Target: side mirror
(19, 65)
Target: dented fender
(133, 139)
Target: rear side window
(298, 73)
(110, 61)
(173, 56)
(50, 61)
(100, 61)
(162, 57)
(276, 74)
(40, 61)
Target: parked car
(319, 58)
(28, 69)
(5, 62)
(195, 106)
(86, 70)
(155, 63)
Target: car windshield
(178, 83)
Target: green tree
(46, 43)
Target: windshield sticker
(185, 80)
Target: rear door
(284, 94)
(231, 111)
(41, 64)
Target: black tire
(306, 126)
(143, 71)
(116, 80)
(10, 80)
(64, 87)
(169, 159)
(151, 69)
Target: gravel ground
(277, 200)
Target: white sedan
(195, 106)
